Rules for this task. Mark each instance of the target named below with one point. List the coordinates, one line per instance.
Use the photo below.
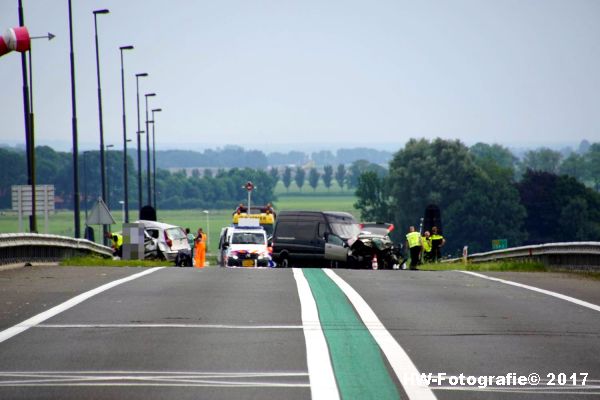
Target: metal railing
(571, 255)
(33, 247)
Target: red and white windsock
(17, 39)
(3, 47)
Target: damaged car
(373, 247)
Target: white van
(243, 247)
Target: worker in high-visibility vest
(437, 242)
(117, 244)
(200, 250)
(413, 243)
(426, 242)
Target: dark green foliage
(559, 208)
(327, 176)
(477, 206)
(340, 175)
(361, 166)
(299, 177)
(287, 178)
(313, 178)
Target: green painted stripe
(359, 368)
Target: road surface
(214, 333)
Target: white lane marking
(322, 380)
(145, 378)
(191, 326)
(535, 289)
(33, 321)
(401, 363)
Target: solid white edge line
(405, 369)
(38, 319)
(183, 326)
(535, 289)
(320, 371)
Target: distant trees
(559, 208)
(340, 175)
(543, 159)
(477, 206)
(287, 178)
(313, 178)
(299, 177)
(327, 176)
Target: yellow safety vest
(414, 239)
(437, 239)
(426, 244)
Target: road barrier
(571, 255)
(32, 247)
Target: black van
(313, 238)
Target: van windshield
(248, 238)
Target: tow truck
(264, 214)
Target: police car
(243, 246)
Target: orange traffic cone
(374, 264)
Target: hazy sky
(315, 73)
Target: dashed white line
(535, 289)
(33, 321)
(322, 380)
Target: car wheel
(284, 262)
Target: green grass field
(61, 222)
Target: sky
(313, 74)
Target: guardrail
(571, 255)
(33, 247)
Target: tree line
(238, 157)
(175, 190)
(486, 193)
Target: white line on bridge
(322, 380)
(535, 289)
(36, 320)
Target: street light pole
(148, 150)
(108, 146)
(76, 208)
(85, 186)
(154, 157)
(100, 121)
(125, 186)
(139, 146)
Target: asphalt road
(218, 333)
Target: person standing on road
(200, 249)
(437, 242)
(426, 242)
(191, 241)
(413, 243)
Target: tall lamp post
(85, 191)
(139, 145)
(125, 186)
(74, 132)
(100, 122)
(148, 149)
(154, 157)
(108, 146)
(207, 229)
